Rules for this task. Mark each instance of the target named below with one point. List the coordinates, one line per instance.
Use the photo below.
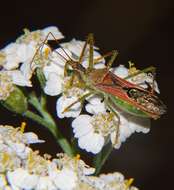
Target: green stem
(64, 144)
(41, 107)
(101, 158)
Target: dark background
(142, 31)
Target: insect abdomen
(125, 106)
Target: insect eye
(132, 92)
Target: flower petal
(53, 85)
(54, 30)
(63, 102)
(22, 179)
(121, 71)
(65, 179)
(81, 125)
(19, 79)
(92, 142)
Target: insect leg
(113, 57)
(80, 99)
(98, 59)
(117, 124)
(57, 41)
(153, 84)
(83, 49)
(146, 70)
(109, 105)
(91, 51)
(39, 49)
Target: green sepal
(41, 77)
(16, 102)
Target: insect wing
(144, 105)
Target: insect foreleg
(80, 99)
(83, 50)
(91, 51)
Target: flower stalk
(101, 158)
(47, 121)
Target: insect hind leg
(117, 124)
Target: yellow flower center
(104, 123)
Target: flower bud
(41, 77)
(16, 101)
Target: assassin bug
(116, 91)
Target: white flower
(53, 84)
(25, 52)
(40, 173)
(95, 105)
(95, 108)
(121, 71)
(32, 138)
(54, 73)
(92, 131)
(44, 183)
(26, 71)
(18, 78)
(88, 138)
(53, 70)
(68, 105)
(76, 46)
(63, 102)
(116, 181)
(38, 36)
(65, 179)
(17, 53)
(118, 177)
(20, 149)
(54, 30)
(22, 179)
(59, 56)
(141, 79)
(11, 58)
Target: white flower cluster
(16, 57)
(21, 168)
(21, 58)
